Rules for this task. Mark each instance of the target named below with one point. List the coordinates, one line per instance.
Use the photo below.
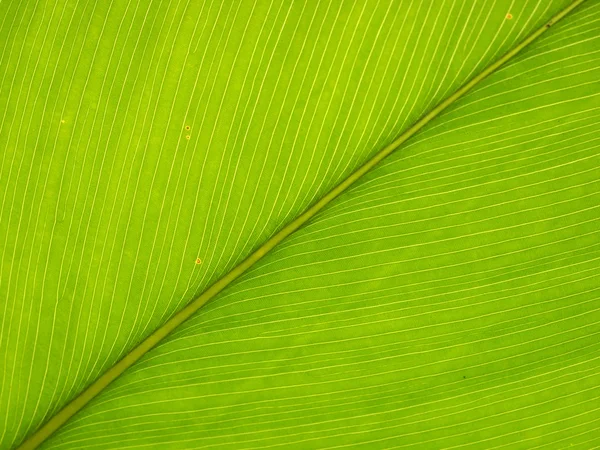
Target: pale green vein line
(151, 341)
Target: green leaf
(449, 297)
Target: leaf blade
(147, 272)
(300, 367)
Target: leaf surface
(449, 298)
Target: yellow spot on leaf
(187, 137)
(198, 261)
(187, 127)
(509, 16)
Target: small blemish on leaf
(187, 127)
(198, 261)
(62, 121)
(188, 137)
(509, 16)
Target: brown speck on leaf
(198, 261)
(187, 137)
(187, 127)
(509, 16)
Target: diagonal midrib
(158, 335)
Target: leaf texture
(449, 299)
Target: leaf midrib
(176, 320)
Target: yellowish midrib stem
(151, 341)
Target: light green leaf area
(449, 299)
